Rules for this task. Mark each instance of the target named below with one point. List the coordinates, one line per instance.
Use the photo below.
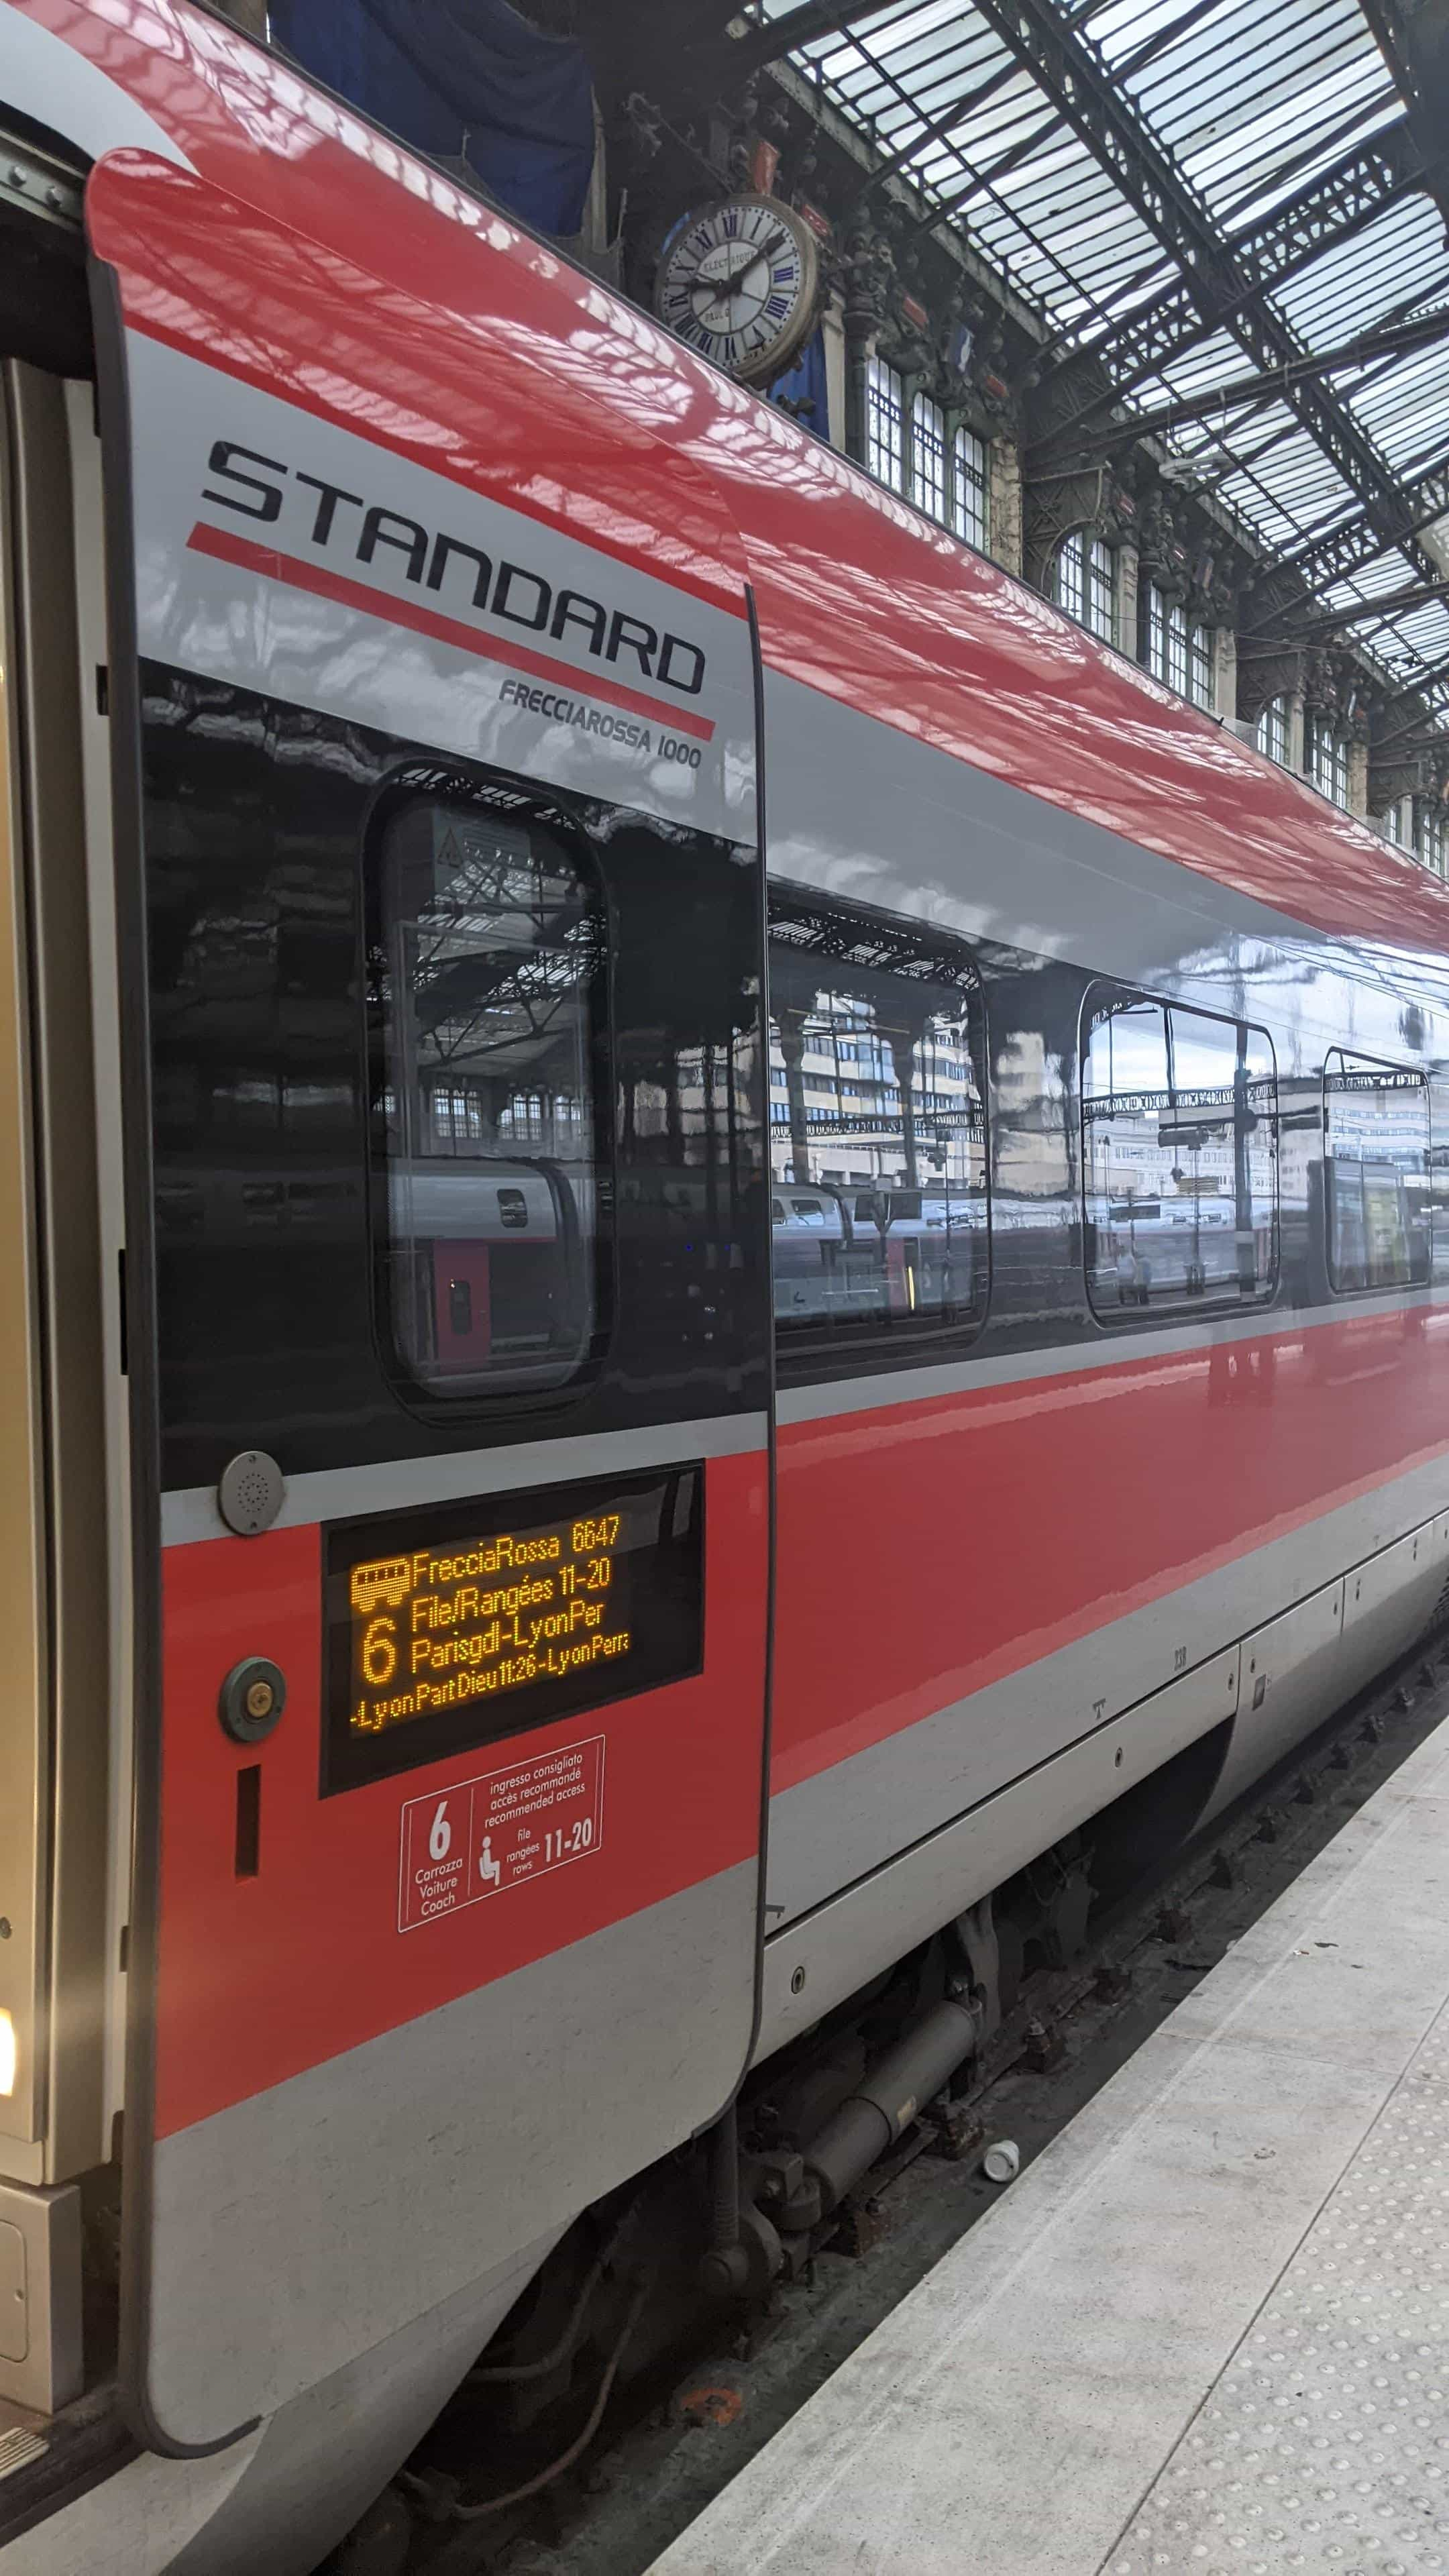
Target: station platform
(1208, 2329)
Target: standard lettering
(270, 504)
(254, 486)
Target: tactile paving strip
(1324, 2446)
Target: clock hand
(766, 250)
(731, 284)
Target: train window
(879, 1208)
(1377, 1173)
(1179, 1158)
(486, 972)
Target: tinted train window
(486, 984)
(1377, 1173)
(1179, 1158)
(877, 1132)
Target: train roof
(500, 365)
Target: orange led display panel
(450, 1626)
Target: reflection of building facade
(1177, 1149)
(1377, 1113)
(861, 1126)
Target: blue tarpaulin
(802, 388)
(470, 80)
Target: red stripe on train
(928, 1549)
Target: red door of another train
(450, 1352)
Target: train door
(58, 1767)
(451, 1352)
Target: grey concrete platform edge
(1209, 2327)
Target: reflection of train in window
(878, 1147)
(875, 1256)
(487, 1268)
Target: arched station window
(1272, 731)
(1431, 840)
(1179, 651)
(885, 428)
(1086, 583)
(928, 456)
(912, 449)
(1328, 760)
(970, 488)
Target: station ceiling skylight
(1099, 156)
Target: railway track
(647, 2456)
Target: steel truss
(1348, 549)
(1220, 278)
(1389, 340)
(1331, 209)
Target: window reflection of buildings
(1148, 1168)
(459, 1121)
(871, 1106)
(486, 973)
(877, 1133)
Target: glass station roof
(1250, 101)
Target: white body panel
(267, 631)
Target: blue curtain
(461, 78)
(803, 388)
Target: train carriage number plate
(500, 1830)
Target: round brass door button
(253, 1697)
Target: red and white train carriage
(500, 822)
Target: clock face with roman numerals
(737, 281)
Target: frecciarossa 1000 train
(722, 1268)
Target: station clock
(738, 281)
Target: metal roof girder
(987, 275)
(1080, 86)
(1358, 541)
(1391, 604)
(1339, 203)
(1083, 92)
(1387, 342)
(766, 44)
